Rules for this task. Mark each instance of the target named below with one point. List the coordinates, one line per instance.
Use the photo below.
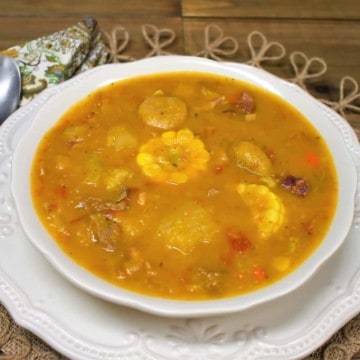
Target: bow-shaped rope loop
(302, 67)
(347, 98)
(117, 42)
(157, 39)
(258, 53)
(217, 45)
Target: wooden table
(326, 29)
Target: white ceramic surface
(78, 88)
(86, 328)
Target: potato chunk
(119, 138)
(93, 168)
(164, 112)
(186, 227)
(251, 158)
(267, 209)
(116, 178)
(76, 133)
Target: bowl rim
(77, 88)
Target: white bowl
(74, 90)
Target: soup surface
(185, 185)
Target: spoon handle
(10, 86)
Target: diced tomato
(259, 273)
(233, 98)
(312, 159)
(218, 169)
(238, 241)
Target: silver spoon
(10, 86)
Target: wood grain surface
(291, 9)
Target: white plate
(53, 109)
(84, 327)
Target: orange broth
(185, 185)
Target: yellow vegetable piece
(250, 157)
(185, 228)
(281, 263)
(62, 162)
(267, 209)
(164, 112)
(119, 138)
(93, 169)
(173, 157)
(76, 134)
(116, 178)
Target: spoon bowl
(10, 86)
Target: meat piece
(119, 204)
(297, 186)
(246, 103)
(106, 232)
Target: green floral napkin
(51, 59)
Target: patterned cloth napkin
(51, 59)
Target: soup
(185, 185)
